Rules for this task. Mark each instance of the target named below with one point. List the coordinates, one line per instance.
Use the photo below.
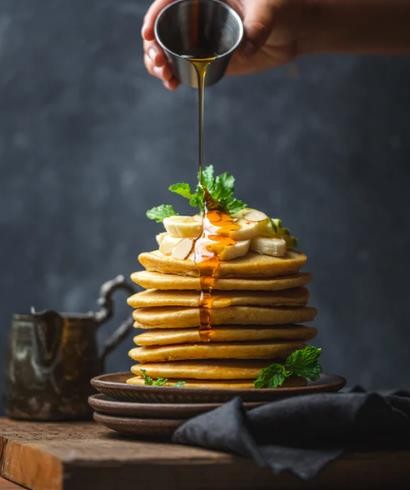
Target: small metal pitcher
(198, 29)
(53, 356)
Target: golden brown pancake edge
(225, 333)
(252, 265)
(221, 350)
(152, 298)
(157, 280)
(174, 317)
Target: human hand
(273, 30)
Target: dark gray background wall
(88, 141)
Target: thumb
(258, 20)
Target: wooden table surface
(8, 485)
(84, 455)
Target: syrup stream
(216, 224)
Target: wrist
(355, 26)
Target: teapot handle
(107, 310)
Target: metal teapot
(52, 357)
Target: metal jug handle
(107, 310)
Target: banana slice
(183, 248)
(238, 249)
(225, 251)
(247, 230)
(273, 228)
(160, 237)
(275, 247)
(254, 215)
(183, 226)
(267, 230)
(167, 243)
(179, 248)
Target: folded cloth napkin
(303, 433)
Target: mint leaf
(195, 199)
(151, 381)
(304, 362)
(182, 189)
(160, 382)
(180, 384)
(226, 181)
(147, 379)
(206, 178)
(272, 376)
(159, 213)
(235, 205)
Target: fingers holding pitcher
(157, 65)
(155, 60)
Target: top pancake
(156, 280)
(252, 265)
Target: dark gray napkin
(303, 433)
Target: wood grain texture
(8, 485)
(83, 455)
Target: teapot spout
(48, 334)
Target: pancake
(221, 350)
(209, 370)
(251, 265)
(192, 299)
(232, 384)
(156, 280)
(223, 334)
(233, 315)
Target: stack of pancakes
(258, 305)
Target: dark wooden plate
(107, 406)
(151, 428)
(114, 386)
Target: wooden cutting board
(84, 455)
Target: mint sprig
(214, 192)
(221, 189)
(302, 362)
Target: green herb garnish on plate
(302, 362)
(148, 381)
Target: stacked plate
(151, 411)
